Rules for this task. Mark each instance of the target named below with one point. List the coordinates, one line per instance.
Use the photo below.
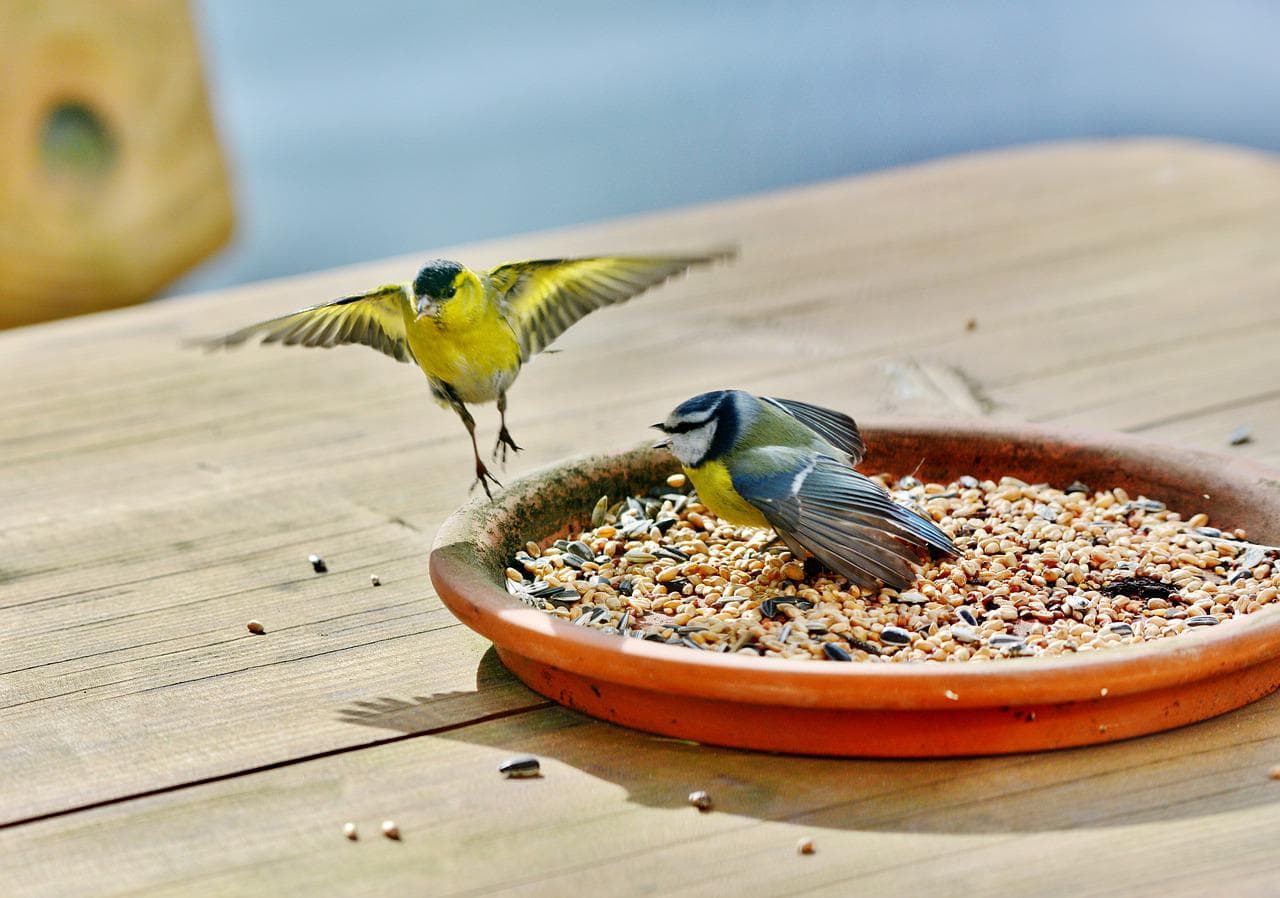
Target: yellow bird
(470, 332)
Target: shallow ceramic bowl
(886, 710)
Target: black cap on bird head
(435, 279)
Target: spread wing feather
(375, 319)
(541, 299)
(836, 428)
(845, 520)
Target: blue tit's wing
(845, 520)
(836, 428)
(541, 299)
(375, 319)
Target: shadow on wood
(1112, 785)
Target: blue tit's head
(436, 282)
(702, 428)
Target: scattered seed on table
(700, 800)
(317, 564)
(375, 579)
(1241, 435)
(390, 829)
(520, 767)
(255, 628)
(951, 695)
(805, 846)
(677, 481)
(349, 830)
(1274, 772)
(971, 325)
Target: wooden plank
(154, 499)
(1163, 814)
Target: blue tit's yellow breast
(715, 488)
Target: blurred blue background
(357, 131)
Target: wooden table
(154, 499)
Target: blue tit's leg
(504, 435)
(482, 473)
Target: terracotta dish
(886, 710)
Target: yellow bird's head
(446, 292)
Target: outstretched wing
(845, 520)
(541, 299)
(836, 428)
(375, 319)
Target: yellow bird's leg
(504, 435)
(482, 473)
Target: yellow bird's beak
(426, 309)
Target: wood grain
(153, 499)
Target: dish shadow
(1213, 767)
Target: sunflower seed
(1078, 602)
(600, 512)
(1119, 627)
(784, 632)
(624, 622)
(700, 800)
(1202, 620)
(911, 597)
(665, 523)
(835, 652)
(520, 767)
(964, 635)
(686, 641)
(1077, 487)
(967, 616)
(895, 636)
(670, 552)
(1212, 532)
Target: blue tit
(471, 331)
(787, 465)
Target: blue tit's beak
(665, 442)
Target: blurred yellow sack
(112, 182)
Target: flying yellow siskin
(470, 332)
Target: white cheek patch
(691, 447)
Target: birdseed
(700, 800)
(520, 767)
(317, 564)
(1041, 572)
(805, 846)
(255, 628)
(390, 829)
(349, 830)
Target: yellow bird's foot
(504, 442)
(483, 477)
